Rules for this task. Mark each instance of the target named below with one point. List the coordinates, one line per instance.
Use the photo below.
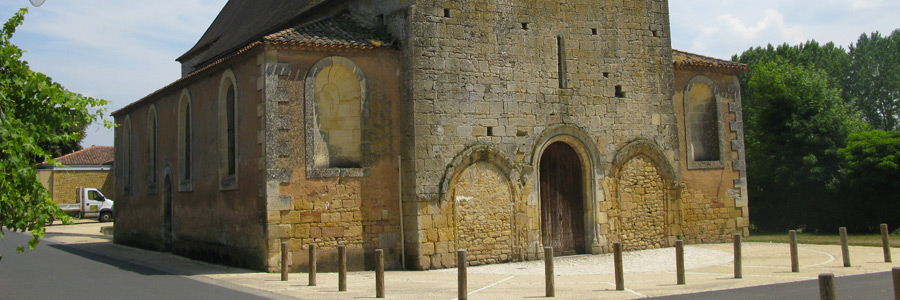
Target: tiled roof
(338, 31)
(95, 155)
(690, 61)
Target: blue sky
(125, 49)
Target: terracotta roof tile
(690, 61)
(95, 155)
(338, 31)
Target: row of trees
(821, 125)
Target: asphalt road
(58, 271)
(866, 286)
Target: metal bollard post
(620, 273)
(312, 264)
(885, 243)
(462, 282)
(738, 266)
(342, 268)
(284, 261)
(679, 261)
(548, 272)
(379, 273)
(895, 272)
(845, 250)
(826, 287)
(795, 257)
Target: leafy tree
(870, 166)
(33, 109)
(793, 131)
(874, 78)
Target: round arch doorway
(562, 200)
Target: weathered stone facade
(420, 127)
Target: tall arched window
(335, 104)
(184, 141)
(125, 146)
(702, 126)
(152, 131)
(228, 131)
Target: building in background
(91, 167)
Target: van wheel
(106, 217)
(50, 222)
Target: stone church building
(422, 127)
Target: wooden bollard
(312, 264)
(379, 273)
(885, 243)
(462, 280)
(342, 268)
(679, 261)
(826, 287)
(795, 257)
(845, 250)
(284, 261)
(738, 267)
(548, 272)
(620, 273)
(895, 272)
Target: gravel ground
(643, 261)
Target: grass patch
(872, 240)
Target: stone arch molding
(591, 160)
(495, 210)
(654, 155)
(476, 154)
(692, 164)
(318, 147)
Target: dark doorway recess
(562, 200)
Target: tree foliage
(33, 110)
(874, 78)
(870, 167)
(794, 127)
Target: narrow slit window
(524, 26)
(561, 60)
(490, 131)
(446, 13)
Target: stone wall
(642, 206)
(209, 223)
(64, 183)
(355, 206)
(484, 208)
(501, 73)
(714, 202)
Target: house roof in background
(95, 155)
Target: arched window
(184, 141)
(702, 124)
(228, 130)
(152, 131)
(125, 146)
(335, 104)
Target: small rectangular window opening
(605, 74)
(619, 92)
(446, 13)
(490, 131)
(593, 31)
(655, 34)
(524, 26)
